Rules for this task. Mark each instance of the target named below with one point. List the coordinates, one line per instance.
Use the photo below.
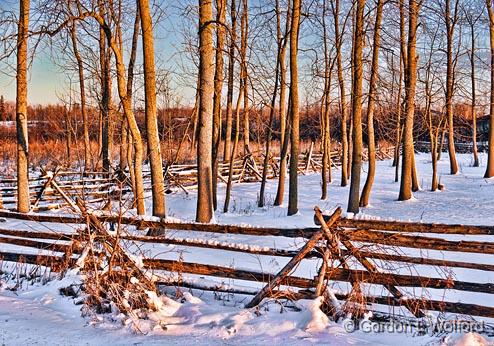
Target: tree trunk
(218, 85)
(357, 147)
(294, 113)
(284, 129)
(272, 112)
(231, 70)
(450, 79)
(82, 88)
(68, 136)
(415, 179)
(123, 145)
(410, 85)
(489, 172)
(204, 211)
(325, 112)
(474, 99)
(364, 199)
(126, 147)
(153, 140)
(23, 204)
(341, 81)
(105, 95)
(234, 149)
(244, 31)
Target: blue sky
(47, 80)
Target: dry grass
(53, 152)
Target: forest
(211, 125)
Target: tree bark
(218, 85)
(325, 112)
(489, 172)
(153, 140)
(23, 204)
(357, 147)
(284, 129)
(204, 212)
(294, 113)
(126, 139)
(105, 66)
(450, 78)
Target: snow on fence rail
(405, 266)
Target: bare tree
(451, 19)
(244, 74)
(218, 85)
(341, 81)
(357, 147)
(489, 172)
(325, 110)
(23, 203)
(106, 87)
(410, 86)
(204, 211)
(231, 70)
(153, 140)
(294, 110)
(82, 88)
(364, 199)
(284, 128)
(269, 132)
(472, 16)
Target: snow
(39, 314)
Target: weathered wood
(67, 199)
(278, 278)
(291, 295)
(36, 244)
(37, 235)
(221, 246)
(428, 304)
(372, 269)
(341, 237)
(420, 242)
(48, 261)
(44, 187)
(224, 272)
(423, 260)
(338, 274)
(414, 227)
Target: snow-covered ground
(38, 314)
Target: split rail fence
(59, 188)
(354, 258)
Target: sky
(47, 81)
